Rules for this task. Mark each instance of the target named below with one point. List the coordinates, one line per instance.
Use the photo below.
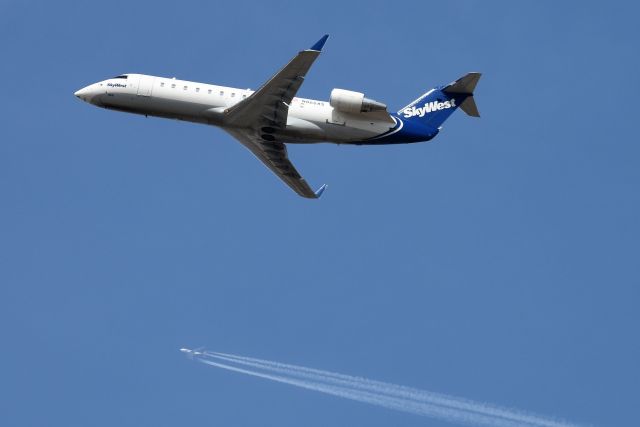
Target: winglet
(320, 190)
(320, 43)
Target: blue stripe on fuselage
(404, 132)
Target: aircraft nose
(82, 93)
(90, 94)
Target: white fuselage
(307, 121)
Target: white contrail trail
(383, 394)
(393, 390)
(418, 408)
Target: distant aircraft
(266, 119)
(192, 353)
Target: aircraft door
(145, 85)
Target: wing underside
(274, 155)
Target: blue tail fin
(435, 106)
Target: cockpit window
(124, 76)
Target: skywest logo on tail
(428, 108)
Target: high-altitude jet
(192, 353)
(265, 119)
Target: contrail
(391, 390)
(387, 395)
(388, 402)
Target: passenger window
(209, 91)
(173, 85)
(233, 94)
(244, 96)
(185, 88)
(221, 93)
(161, 84)
(197, 89)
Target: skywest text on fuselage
(428, 108)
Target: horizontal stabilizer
(469, 107)
(466, 84)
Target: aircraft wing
(274, 155)
(256, 120)
(269, 105)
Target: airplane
(272, 116)
(192, 353)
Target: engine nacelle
(353, 102)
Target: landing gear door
(145, 85)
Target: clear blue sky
(499, 262)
